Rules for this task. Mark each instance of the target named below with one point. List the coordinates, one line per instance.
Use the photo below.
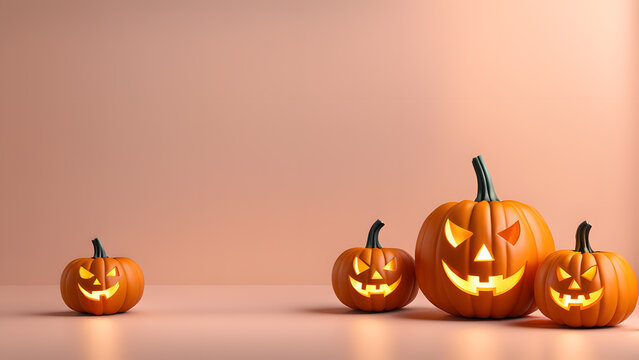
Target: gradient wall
(250, 142)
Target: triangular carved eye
(359, 266)
(392, 265)
(456, 234)
(84, 273)
(113, 272)
(590, 273)
(511, 234)
(562, 274)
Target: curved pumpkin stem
(98, 250)
(582, 243)
(373, 235)
(485, 188)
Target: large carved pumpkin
(101, 285)
(585, 288)
(374, 279)
(479, 258)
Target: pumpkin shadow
(538, 323)
(347, 311)
(65, 314)
(439, 315)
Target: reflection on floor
(284, 322)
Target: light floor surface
(284, 322)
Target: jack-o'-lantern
(585, 288)
(374, 278)
(479, 258)
(101, 285)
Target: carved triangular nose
(484, 254)
(96, 282)
(376, 275)
(574, 285)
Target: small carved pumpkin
(585, 288)
(479, 258)
(374, 279)
(101, 285)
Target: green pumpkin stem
(98, 250)
(583, 240)
(485, 188)
(373, 235)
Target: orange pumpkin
(101, 285)
(374, 279)
(585, 288)
(479, 258)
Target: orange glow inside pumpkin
(496, 283)
(456, 235)
(96, 294)
(565, 300)
(373, 289)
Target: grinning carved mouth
(369, 290)
(497, 284)
(566, 300)
(95, 295)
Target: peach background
(250, 142)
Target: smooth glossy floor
(283, 322)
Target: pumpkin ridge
(466, 262)
(339, 286)
(434, 251)
(557, 312)
(138, 273)
(544, 243)
(413, 284)
(130, 264)
(522, 216)
(345, 267)
(72, 298)
(582, 267)
(501, 207)
(617, 316)
(629, 282)
(580, 260)
(99, 303)
(602, 258)
(577, 258)
(448, 295)
(438, 296)
(542, 298)
(493, 214)
(385, 279)
(123, 274)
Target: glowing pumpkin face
(101, 285)
(90, 285)
(472, 283)
(575, 294)
(372, 278)
(585, 288)
(479, 258)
